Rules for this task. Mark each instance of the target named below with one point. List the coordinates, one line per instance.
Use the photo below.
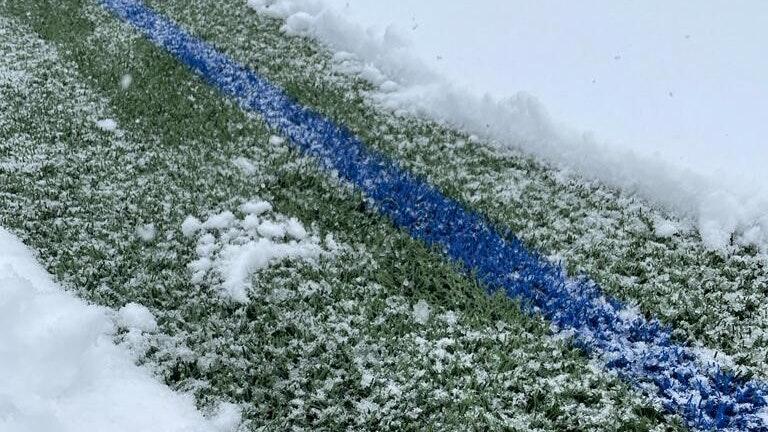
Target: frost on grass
(232, 249)
(60, 369)
(245, 165)
(330, 349)
(146, 232)
(318, 347)
(711, 298)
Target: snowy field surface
(668, 101)
(181, 246)
(61, 371)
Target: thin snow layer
(575, 304)
(60, 370)
(723, 210)
(233, 249)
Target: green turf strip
(712, 299)
(326, 346)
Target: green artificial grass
(320, 346)
(712, 299)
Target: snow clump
(230, 250)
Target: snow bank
(60, 370)
(720, 209)
(232, 250)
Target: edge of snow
(60, 369)
(722, 213)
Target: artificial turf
(337, 346)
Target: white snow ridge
(724, 205)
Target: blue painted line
(638, 349)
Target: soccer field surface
(281, 283)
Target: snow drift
(723, 211)
(60, 370)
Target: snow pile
(134, 316)
(60, 370)
(385, 55)
(722, 209)
(231, 250)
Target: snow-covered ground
(60, 370)
(672, 95)
(234, 249)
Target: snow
(366, 379)
(763, 415)
(220, 221)
(246, 166)
(60, 370)
(256, 207)
(108, 125)
(146, 232)
(136, 316)
(665, 228)
(235, 249)
(710, 356)
(125, 81)
(295, 229)
(228, 418)
(676, 100)
(421, 312)
(450, 318)
(190, 226)
(271, 230)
